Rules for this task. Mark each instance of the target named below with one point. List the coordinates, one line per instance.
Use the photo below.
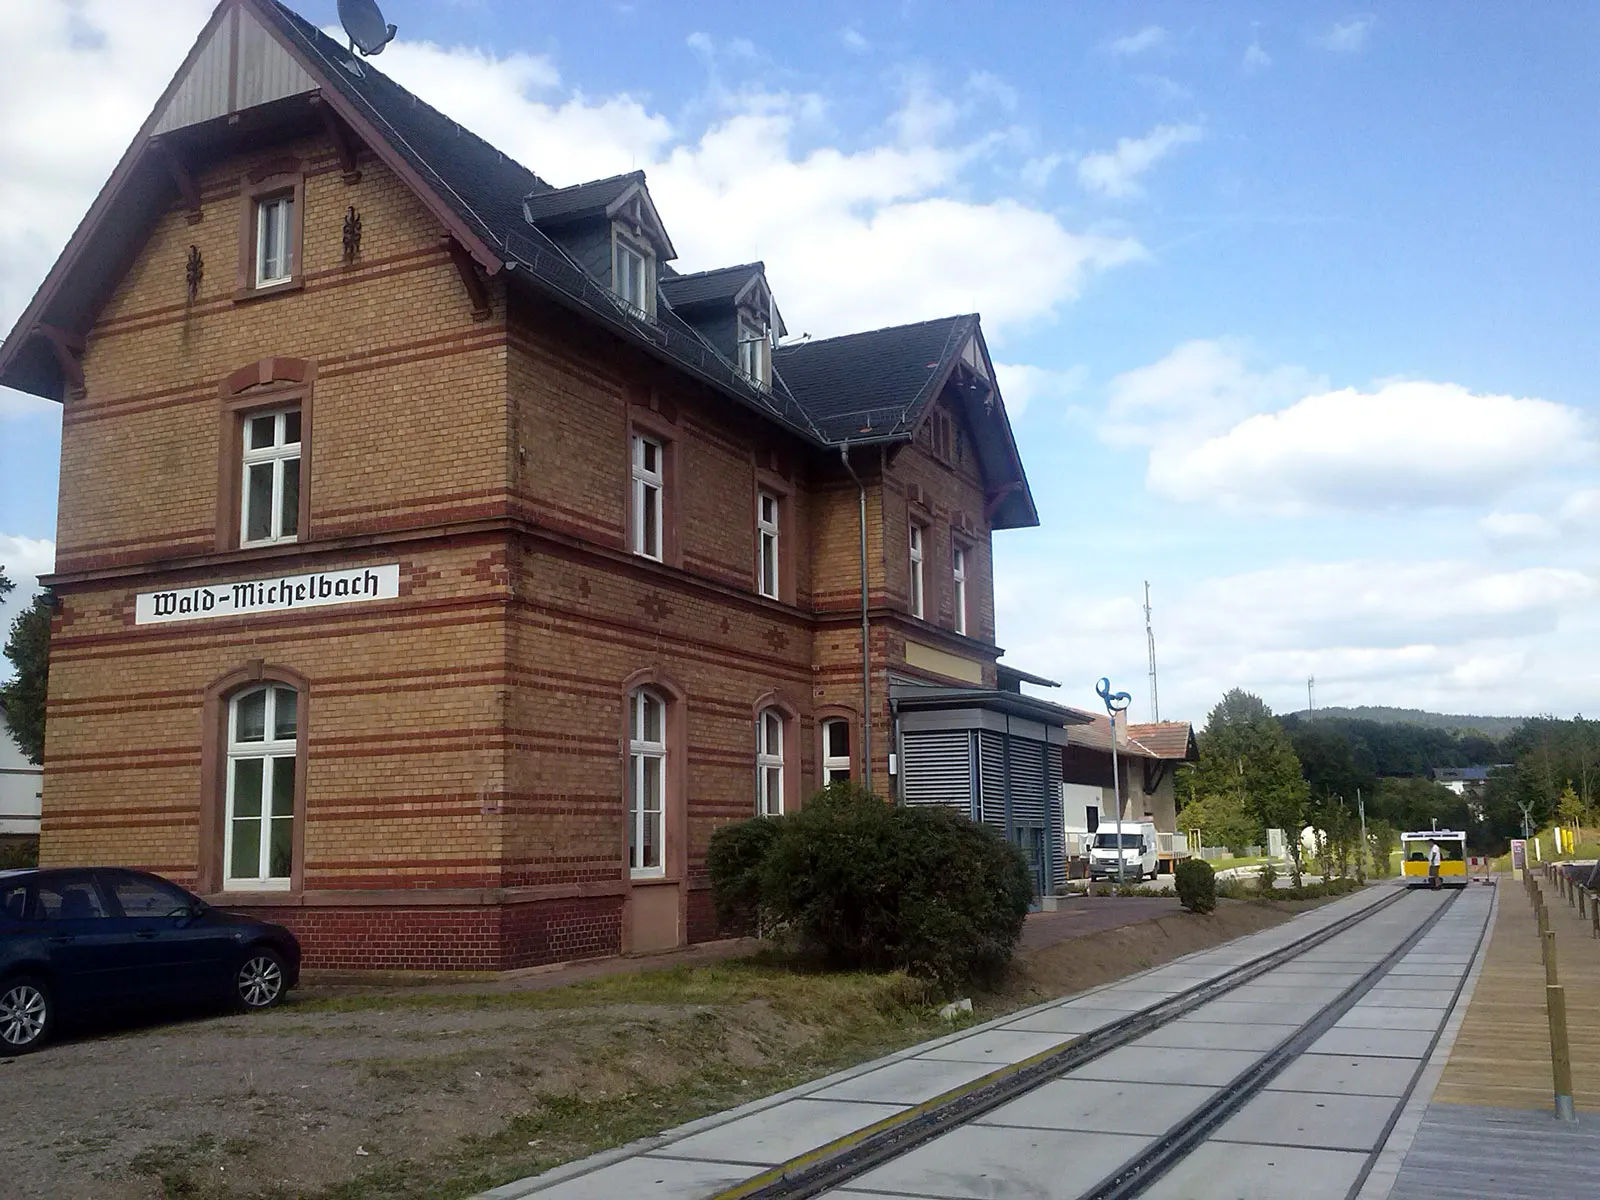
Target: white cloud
(1116, 172)
(739, 189)
(1202, 388)
(1256, 58)
(1403, 444)
(1022, 385)
(1151, 37)
(853, 41)
(59, 143)
(1348, 36)
(1448, 634)
(1515, 528)
(1036, 172)
(1279, 439)
(989, 85)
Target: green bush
(1267, 876)
(1197, 885)
(863, 884)
(21, 852)
(733, 860)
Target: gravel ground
(285, 1099)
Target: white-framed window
(767, 509)
(835, 751)
(269, 509)
(647, 784)
(755, 354)
(630, 274)
(769, 763)
(958, 571)
(274, 240)
(258, 841)
(648, 484)
(916, 569)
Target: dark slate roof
(709, 287)
(482, 185)
(579, 200)
(868, 386)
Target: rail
(813, 1176)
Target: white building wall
(21, 787)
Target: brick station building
(437, 567)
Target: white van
(1137, 850)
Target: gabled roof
(871, 387)
(1170, 740)
(554, 205)
(718, 285)
(879, 386)
(619, 195)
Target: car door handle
(145, 934)
(62, 940)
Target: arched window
(258, 847)
(769, 763)
(835, 751)
(647, 783)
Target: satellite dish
(363, 23)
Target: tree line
(1257, 771)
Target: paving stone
(1321, 1119)
(909, 1081)
(780, 1133)
(658, 1178)
(1229, 1171)
(1400, 997)
(1372, 1016)
(1383, 1043)
(1063, 1019)
(1214, 1035)
(1245, 1013)
(1348, 1074)
(998, 1047)
(1093, 1105)
(984, 1162)
(1169, 1064)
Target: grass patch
(790, 988)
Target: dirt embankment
(425, 1093)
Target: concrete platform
(1488, 1128)
(1069, 1133)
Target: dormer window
(633, 273)
(755, 353)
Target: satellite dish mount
(364, 26)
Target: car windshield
(1108, 841)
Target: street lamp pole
(1361, 806)
(1116, 702)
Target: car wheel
(27, 1015)
(259, 982)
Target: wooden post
(1555, 1000)
(1550, 958)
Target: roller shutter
(938, 769)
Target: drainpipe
(866, 633)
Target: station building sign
(278, 594)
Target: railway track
(1318, 981)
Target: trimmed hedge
(860, 884)
(1197, 885)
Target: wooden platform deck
(1501, 1059)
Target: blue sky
(1294, 303)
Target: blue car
(81, 942)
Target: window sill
(652, 877)
(246, 294)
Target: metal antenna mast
(1311, 697)
(1150, 639)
